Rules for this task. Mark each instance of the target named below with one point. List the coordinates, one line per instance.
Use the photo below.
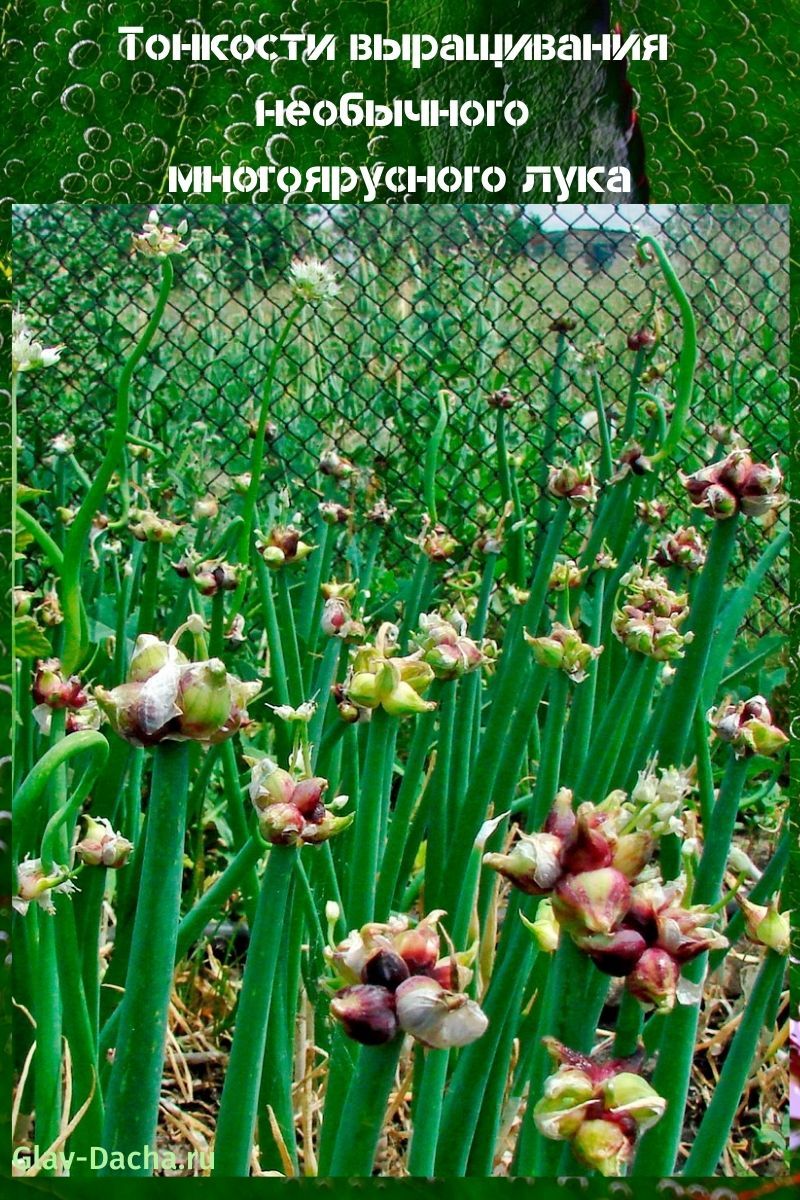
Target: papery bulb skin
(366, 1013)
(281, 824)
(734, 484)
(592, 843)
(404, 700)
(205, 508)
(718, 502)
(566, 574)
(241, 693)
(101, 846)
(336, 617)
(414, 672)
(270, 784)
(53, 690)
(641, 339)
(765, 925)
(150, 654)
(380, 514)
(36, 884)
(335, 465)
(502, 399)
(451, 974)
(652, 512)
(142, 714)
(436, 1017)
(573, 482)
(633, 459)
(560, 1112)
(334, 514)
(147, 526)
(561, 820)
(446, 661)
(533, 863)
(749, 727)
(605, 1146)
(419, 948)
(628, 1094)
(632, 853)
(362, 690)
(23, 601)
(683, 548)
(686, 932)
(307, 794)
(438, 544)
(592, 902)
(735, 470)
(654, 980)
(204, 698)
(563, 649)
(50, 610)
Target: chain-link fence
(462, 298)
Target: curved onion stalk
(135, 1086)
(75, 642)
(34, 786)
(688, 357)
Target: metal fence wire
(455, 297)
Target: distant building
(597, 236)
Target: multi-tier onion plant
(480, 828)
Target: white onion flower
(27, 354)
(159, 241)
(35, 884)
(313, 281)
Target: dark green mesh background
(455, 297)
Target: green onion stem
(135, 1086)
(718, 1119)
(427, 1113)
(243, 547)
(688, 355)
(75, 640)
(239, 1102)
(363, 1112)
(365, 830)
(686, 688)
(658, 1150)
(432, 457)
(606, 460)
